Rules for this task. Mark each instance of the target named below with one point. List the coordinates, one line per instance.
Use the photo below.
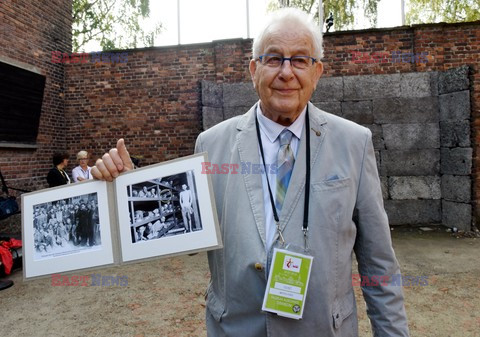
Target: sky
(209, 20)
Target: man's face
(285, 91)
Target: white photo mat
(206, 237)
(70, 257)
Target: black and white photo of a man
(186, 202)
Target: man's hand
(113, 163)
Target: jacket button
(258, 266)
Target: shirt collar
(273, 129)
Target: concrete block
(411, 136)
(358, 111)
(331, 107)
(211, 116)
(413, 212)
(230, 112)
(371, 86)
(378, 159)
(239, 94)
(455, 134)
(384, 185)
(457, 188)
(452, 80)
(434, 82)
(415, 85)
(456, 161)
(212, 94)
(405, 110)
(455, 214)
(411, 188)
(455, 107)
(377, 136)
(328, 89)
(422, 162)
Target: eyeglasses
(298, 62)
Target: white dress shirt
(269, 132)
(79, 172)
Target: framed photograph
(166, 209)
(156, 211)
(66, 228)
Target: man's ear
(253, 68)
(318, 73)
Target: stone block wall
(420, 128)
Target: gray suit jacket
(344, 180)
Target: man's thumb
(124, 155)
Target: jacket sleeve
(53, 178)
(375, 255)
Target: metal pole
(248, 18)
(320, 14)
(403, 12)
(178, 20)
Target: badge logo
(292, 263)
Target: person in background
(82, 171)
(57, 175)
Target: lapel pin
(318, 133)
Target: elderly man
(340, 212)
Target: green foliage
(430, 11)
(342, 10)
(115, 24)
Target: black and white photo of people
(66, 226)
(164, 207)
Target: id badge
(287, 283)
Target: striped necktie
(285, 161)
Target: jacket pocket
(343, 308)
(330, 185)
(214, 305)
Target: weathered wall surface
(154, 99)
(421, 134)
(26, 40)
(28, 34)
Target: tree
(429, 11)
(115, 24)
(343, 10)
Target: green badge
(287, 283)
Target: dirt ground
(165, 297)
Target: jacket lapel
(296, 187)
(247, 144)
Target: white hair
(82, 154)
(292, 16)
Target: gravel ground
(165, 297)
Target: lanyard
(307, 179)
(65, 176)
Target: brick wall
(153, 99)
(29, 31)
